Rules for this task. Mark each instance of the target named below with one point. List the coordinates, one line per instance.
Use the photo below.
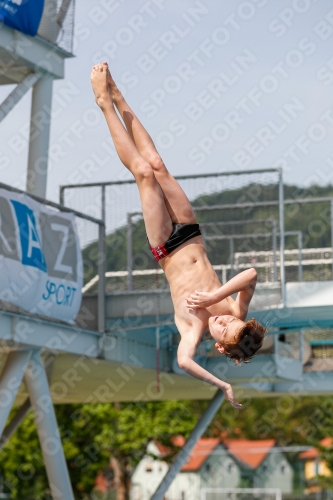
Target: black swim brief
(180, 234)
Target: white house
(149, 473)
(232, 463)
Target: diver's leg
(157, 220)
(176, 201)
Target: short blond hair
(246, 342)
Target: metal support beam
(39, 136)
(15, 422)
(24, 409)
(10, 381)
(101, 276)
(232, 257)
(332, 231)
(281, 221)
(301, 346)
(274, 237)
(129, 253)
(101, 267)
(47, 428)
(300, 249)
(16, 95)
(183, 456)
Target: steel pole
(20, 90)
(274, 251)
(47, 428)
(300, 249)
(332, 232)
(101, 267)
(15, 422)
(24, 409)
(129, 252)
(301, 346)
(10, 381)
(281, 221)
(224, 275)
(183, 456)
(39, 136)
(232, 257)
(101, 278)
(61, 196)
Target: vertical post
(62, 195)
(300, 249)
(332, 232)
(276, 348)
(158, 344)
(101, 278)
(224, 275)
(281, 221)
(274, 237)
(203, 233)
(158, 358)
(101, 266)
(129, 253)
(183, 455)
(15, 423)
(10, 381)
(47, 428)
(103, 203)
(39, 137)
(232, 257)
(301, 346)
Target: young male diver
(200, 301)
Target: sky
(220, 86)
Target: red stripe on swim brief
(159, 252)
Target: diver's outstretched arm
(185, 355)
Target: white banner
(40, 257)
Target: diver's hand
(229, 396)
(201, 299)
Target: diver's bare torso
(187, 269)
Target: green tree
(92, 436)
(113, 437)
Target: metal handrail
(177, 177)
(50, 203)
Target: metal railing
(278, 202)
(118, 186)
(274, 234)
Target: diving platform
(124, 364)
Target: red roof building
(315, 466)
(250, 453)
(200, 453)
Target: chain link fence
(57, 23)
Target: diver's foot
(114, 92)
(99, 82)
